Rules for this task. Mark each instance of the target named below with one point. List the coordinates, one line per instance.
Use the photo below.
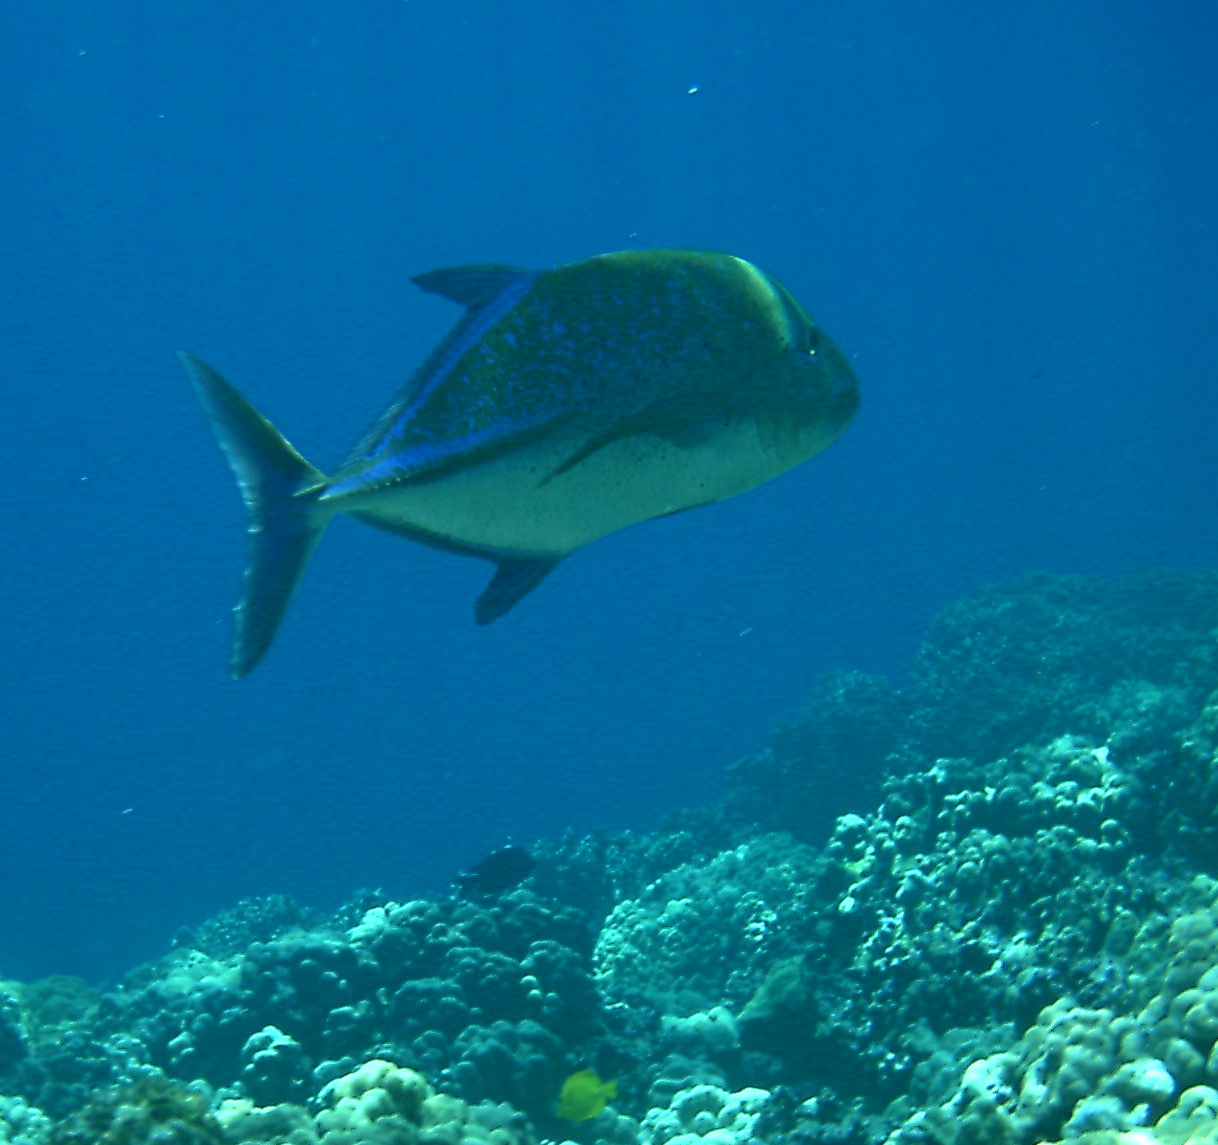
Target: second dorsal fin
(471, 286)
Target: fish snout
(837, 383)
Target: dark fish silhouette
(567, 403)
(500, 871)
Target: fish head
(813, 392)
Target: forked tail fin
(280, 489)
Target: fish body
(566, 404)
(500, 871)
(584, 1096)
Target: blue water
(1004, 213)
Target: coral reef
(706, 1114)
(1082, 1069)
(850, 726)
(1000, 927)
(153, 1111)
(702, 933)
(483, 997)
(1026, 660)
(377, 1103)
(21, 1123)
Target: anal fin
(515, 577)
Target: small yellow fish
(584, 1096)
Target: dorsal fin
(471, 286)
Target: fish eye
(811, 341)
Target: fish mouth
(844, 397)
(841, 386)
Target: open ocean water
(1004, 214)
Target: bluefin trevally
(565, 404)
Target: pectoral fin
(689, 421)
